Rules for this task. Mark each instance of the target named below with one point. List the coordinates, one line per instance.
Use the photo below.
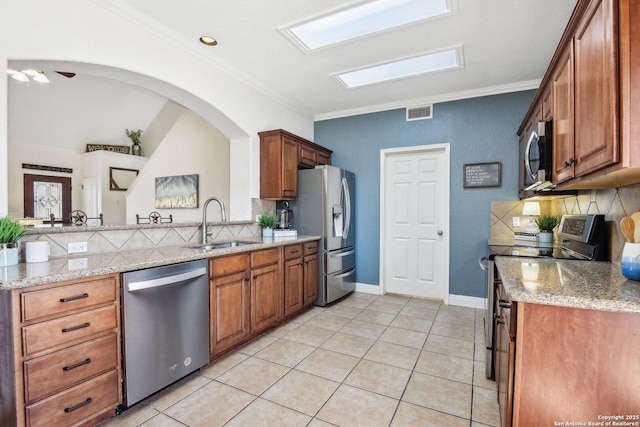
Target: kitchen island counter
(569, 283)
(63, 269)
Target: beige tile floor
(368, 360)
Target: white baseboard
(466, 301)
(366, 288)
(459, 300)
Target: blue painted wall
(478, 130)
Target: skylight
(362, 20)
(429, 63)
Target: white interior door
(415, 221)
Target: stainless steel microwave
(538, 156)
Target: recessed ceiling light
(362, 20)
(208, 40)
(429, 63)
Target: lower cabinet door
(77, 403)
(293, 286)
(266, 297)
(310, 279)
(230, 300)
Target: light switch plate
(515, 221)
(76, 247)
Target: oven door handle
(484, 263)
(167, 280)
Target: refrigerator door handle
(347, 205)
(346, 273)
(343, 254)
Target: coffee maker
(284, 215)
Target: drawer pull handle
(295, 252)
(85, 295)
(77, 365)
(78, 406)
(75, 328)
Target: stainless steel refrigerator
(325, 206)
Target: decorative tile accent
(613, 203)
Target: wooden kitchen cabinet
(61, 353)
(562, 363)
(293, 279)
(300, 277)
(230, 300)
(563, 119)
(594, 78)
(266, 289)
(505, 356)
(281, 154)
(596, 88)
(310, 273)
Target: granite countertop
(595, 285)
(61, 269)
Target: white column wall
(84, 32)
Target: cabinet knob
(246, 279)
(440, 233)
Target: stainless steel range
(582, 237)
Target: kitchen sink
(220, 245)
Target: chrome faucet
(223, 215)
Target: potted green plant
(267, 221)
(11, 230)
(546, 224)
(135, 138)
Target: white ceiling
(507, 45)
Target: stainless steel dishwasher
(165, 326)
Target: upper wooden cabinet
(563, 122)
(596, 88)
(593, 88)
(281, 154)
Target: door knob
(439, 232)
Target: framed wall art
(177, 192)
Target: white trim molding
(366, 288)
(467, 301)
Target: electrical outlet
(515, 221)
(76, 247)
(78, 263)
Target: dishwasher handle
(167, 280)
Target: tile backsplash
(112, 239)
(614, 203)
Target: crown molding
(447, 97)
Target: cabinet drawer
(229, 264)
(310, 248)
(60, 370)
(292, 251)
(264, 257)
(75, 404)
(307, 155)
(62, 299)
(68, 329)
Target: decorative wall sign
(124, 149)
(120, 179)
(177, 192)
(477, 175)
(47, 168)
